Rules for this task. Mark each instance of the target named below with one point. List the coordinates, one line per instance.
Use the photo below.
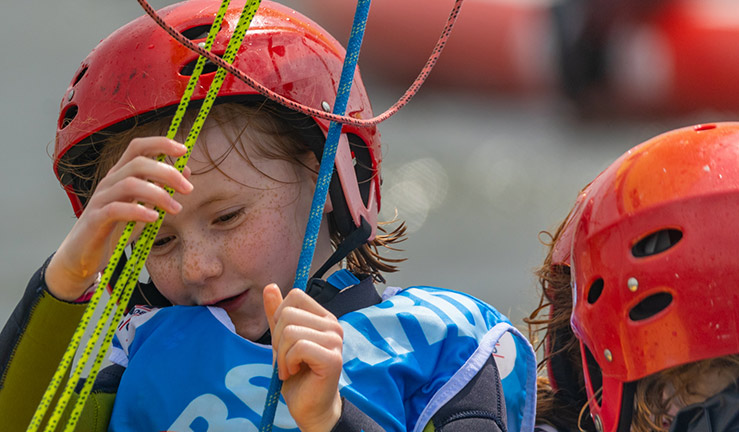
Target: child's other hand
(128, 192)
(307, 341)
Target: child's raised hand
(307, 341)
(128, 192)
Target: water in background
(475, 177)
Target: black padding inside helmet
(627, 406)
(656, 243)
(594, 372)
(208, 68)
(197, 32)
(650, 306)
(596, 289)
(69, 114)
(563, 371)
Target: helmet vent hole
(69, 114)
(189, 68)
(596, 289)
(79, 76)
(197, 32)
(650, 306)
(656, 243)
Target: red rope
(314, 112)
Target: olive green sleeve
(32, 344)
(95, 416)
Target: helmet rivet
(598, 423)
(609, 356)
(325, 105)
(70, 95)
(633, 284)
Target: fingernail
(176, 206)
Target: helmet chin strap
(627, 406)
(354, 240)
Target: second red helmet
(654, 264)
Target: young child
(703, 158)
(417, 359)
(655, 304)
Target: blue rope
(322, 183)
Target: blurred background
(530, 100)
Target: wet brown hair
(272, 135)
(552, 318)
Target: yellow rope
(127, 281)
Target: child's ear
(312, 163)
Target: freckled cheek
(165, 275)
(267, 241)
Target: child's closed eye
(228, 218)
(163, 241)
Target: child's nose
(200, 262)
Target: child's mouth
(232, 303)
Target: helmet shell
(637, 314)
(139, 70)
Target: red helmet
(654, 264)
(140, 70)
(563, 245)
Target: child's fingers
(150, 170)
(299, 320)
(292, 315)
(321, 351)
(123, 212)
(151, 147)
(132, 189)
(294, 327)
(322, 360)
(299, 309)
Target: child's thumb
(272, 297)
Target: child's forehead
(216, 144)
(235, 157)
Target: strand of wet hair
(318, 112)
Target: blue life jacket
(404, 358)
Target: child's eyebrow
(221, 196)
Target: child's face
(706, 384)
(238, 231)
